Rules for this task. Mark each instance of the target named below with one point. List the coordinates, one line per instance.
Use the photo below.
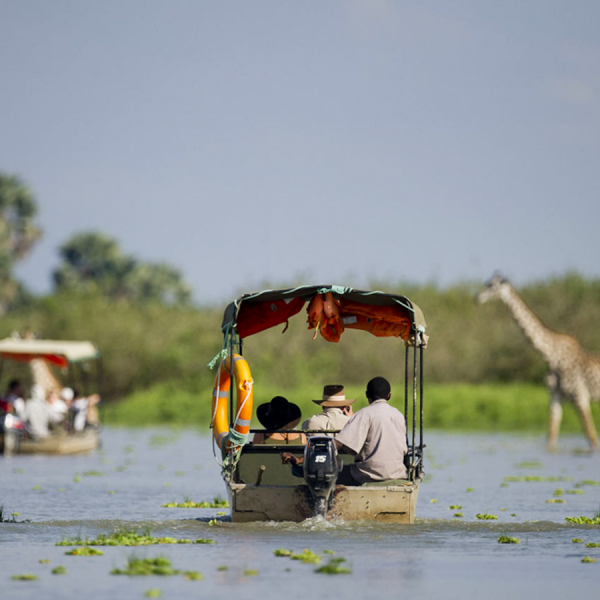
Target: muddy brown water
(124, 484)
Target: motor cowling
(320, 470)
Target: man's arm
(341, 448)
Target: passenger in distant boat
(14, 399)
(376, 435)
(84, 410)
(279, 413)
(37, 413)
(58, 408)
(336, 407)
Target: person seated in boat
(37, 413)
(13, 399)
(279, 413)
(337, 409)
(375, 435)
(58, 409)
(84, 410)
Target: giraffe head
(496, 287)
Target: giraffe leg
(556, 411)
(582, 404)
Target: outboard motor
(320, 470)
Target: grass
(461, 407)
(127, 537)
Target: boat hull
(377, 502)
(62, 443)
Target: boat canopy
(331, 310)
(60, 353)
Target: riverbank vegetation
(481, 372)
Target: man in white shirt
(336, 407)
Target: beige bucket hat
(334, 395)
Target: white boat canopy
(55, 351)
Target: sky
(270, 142)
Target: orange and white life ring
(220, 402)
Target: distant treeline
(168, 348)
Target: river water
(124, 484)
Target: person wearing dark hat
(337, 409)
(279, 413)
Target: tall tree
(18, 234)
(94, 262)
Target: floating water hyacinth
(531, 464)
(282, 552)
(130, 538)
(250, 572)
(486, 516)
(577, 540)
(592, 545)
(588, 559)
(187, 503)
(85, 552)
(470, 489)
(60, 570)
(334, 567)
(24, 577)
(44, 561)
(307, 556)
(505, 539)
(153, 593)
(154, 566)
(458, 515)
(575, 492)
(536, 478)
(556, 501)
(455, 507)
(584, 520)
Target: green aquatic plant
(85, 552)
(250, 572)
(222, 568)
(93, 474)
(37, 488)
(529, 464)
(307, 556)
(470, 489)
(126, 537)
(592, 545)
(458, 515)
(556, 501)
(60, 570)
(486, 517)
(575, 492)
(44, 561)
(536, 478)
(433, 501)
(24, 577)
(505, 539)
(558, 492)
(455, 507)
(577, 540)
(334, 567)
(328, 551)
(588, 559)
(217, 502)
(154, 566)
(282, 552)
(584, 520)
(587, 482)
(12, 518)
(153, 593)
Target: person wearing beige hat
(337, 409)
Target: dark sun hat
(334, 395)
(277, 413)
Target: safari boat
(79, 362)
(259, 486)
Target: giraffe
(574, 374)
(44, 377)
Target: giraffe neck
(43, 376)
(540, 336)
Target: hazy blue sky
(328, 141)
